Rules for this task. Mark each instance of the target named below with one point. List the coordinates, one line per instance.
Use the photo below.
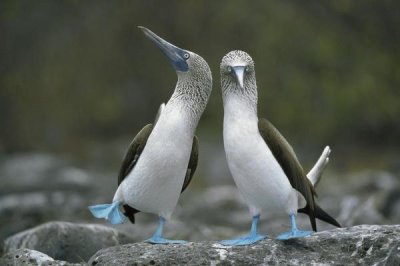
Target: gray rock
(365, 197)
(39, 172)
(28, 257)
(396, 211)
(22, 211)
(35, 187)
(390, 206)
(365, 245)
(67, 241)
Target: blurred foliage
(73, 72)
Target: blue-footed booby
(162, 158)
(261, 161)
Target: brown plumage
(287, 159)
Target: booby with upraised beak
(161, 160)
(261, 161)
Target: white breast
(257, 174)
(154, 185)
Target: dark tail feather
(313, 222)
(130, 213)
(320, 214)
(311, 215)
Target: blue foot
(157, 236)
(249, 239)
(109, 212)
(293, 234)
(245, 240)
(161, 240)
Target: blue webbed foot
(293, 234)
(245, 240)
(161, 240)
(249, 239)
(110, 212)
(157, 237)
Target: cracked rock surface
(358, 245)
(365, 245)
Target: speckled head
(238, 74)
(194, 86)
(194, 75)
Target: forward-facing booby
(162, 158)
(261, 161)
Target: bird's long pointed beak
(175, 54)
(239, 74)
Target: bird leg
(314, 176)
(294, 233)
(157, 237)
(249, 239)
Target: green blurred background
(78, 78)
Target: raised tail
(110, 212)
(322, 215)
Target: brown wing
(287, 159)
(194, 157)
(131, 157)
(133, 153)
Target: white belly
(155, 183)
(257, 174)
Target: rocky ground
(67, 244)
(39, 188)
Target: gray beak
(176, 55)
(239, 74)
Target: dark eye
(247, 69)
(229, 70)
(186, 55)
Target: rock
(67, 241)
(391, 204)
(365, 197)
(22, 257)
(396, 211)
(25, 256)
(40, 172)
(379, 193)
(21, 211)
(35, 187)
(365, 245)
